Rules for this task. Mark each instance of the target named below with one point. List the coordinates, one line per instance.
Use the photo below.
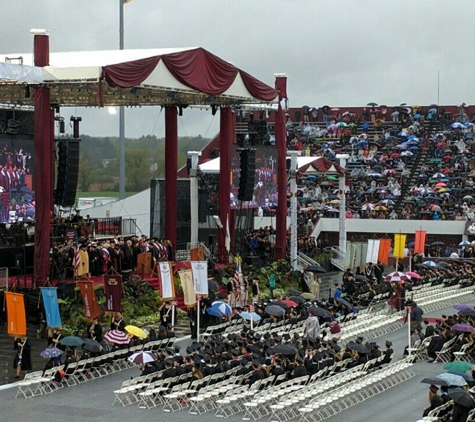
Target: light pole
(193, 155)
(341, 186)
(121, 109)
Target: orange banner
(91, 307)
(16, 315)
(420, 241)
(383, 253)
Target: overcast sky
(336, 52)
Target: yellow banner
(16, 315)
(186, 279)
(399, 245)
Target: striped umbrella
(396, 277)
(413, 275)
(117, 337)
(142, 357)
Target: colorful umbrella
(51, 352)
(452, 379)
(396, 277)
(117, 337)
(142, 357)
(250, 316)
(463, 328)
(462, 306)
(413, 275)
(289, 303)
(458, 366)
(136, 331)
(219, 309)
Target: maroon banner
(91, 307)
(113, 292)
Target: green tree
(137, 167)
(87, 174)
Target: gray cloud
(339, 52)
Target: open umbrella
(465, 243)
(289, 303)
(396, 277)
(452, 379)
(344, 302)
(465, 328)
(320, 312)
(284, 349)
(443, 264)
(357, 347)
(280, 303)
(462, 306)
(307, 295)
(465, 375)
(142, 357)
(117, 337)
(467, 312)
(275, 310)
(297, 299)
(430, 264)
(91, 345)
(361, 277)
(294, 292)
(462, 397)
(136, 331)
(413, 275)
(435, 381)
(51, 352)
(250, 316)
(71, 341)
(458, 366)
(219, 309)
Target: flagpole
(198, 315)
(408, 310)
(173, 315)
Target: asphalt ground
(93, 400)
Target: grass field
(105, 194)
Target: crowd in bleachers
(411, 164)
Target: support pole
(171, 169)
(198, 317)
(293, 207)
(193, 155)
(121, 112)
(408, 310)
(342, 218)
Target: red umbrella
(289, 303)
(413, 275)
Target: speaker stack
(248, 174)
(67, 175)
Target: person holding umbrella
(434, 400)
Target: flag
(420, 241)
(186, 279)
(373, 250)
(16, 315)
(167, 290)
(50, 303)
(76, 260)
(91, 307)
(399, 244)
(200, 277)
(383, 253)
(113, 293)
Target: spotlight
(112, 110)
(214, 109)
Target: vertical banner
(383, 253)
(50, 303)
(399, 244)
(113, 292)
(420, 241)
(186, 279)
(167, 291)
(373, 250)
(16, 315)
(200, 277)
(91, 307)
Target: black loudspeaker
(67, 175)
(248, 174)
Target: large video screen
(17, 197)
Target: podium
(144, 263)
(197, 254)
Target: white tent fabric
(20, 73)
(212, 166)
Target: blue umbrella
(430, 264)
(250, 316)
(464, 375)
(452, 379)
(51, 352)
(71, 341)
(219, 309)
(417, 116)
(414, 147)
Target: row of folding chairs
(39, 383)
(335, 400)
